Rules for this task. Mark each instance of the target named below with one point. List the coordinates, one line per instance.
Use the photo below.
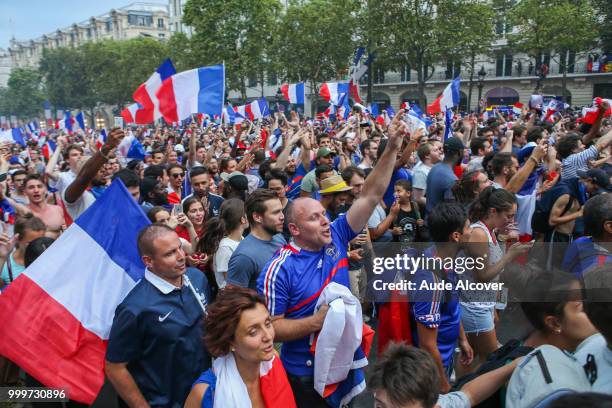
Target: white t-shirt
(79, 206)
(227, 246)
(419, 176)
(64, 179)
(597, 347)
(378, 216)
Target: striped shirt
(577, 161)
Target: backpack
(546, 374)
(510, 351)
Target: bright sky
(28, 19)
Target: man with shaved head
(158, 322)
(295, 277)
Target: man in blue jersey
(295, 277)
(436, 313)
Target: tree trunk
(421, 85)
(315, 104)
(243, 93)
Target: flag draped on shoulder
(67, 298)
(200, 90)
(448, 99)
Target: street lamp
(481, 77)
(99, 122)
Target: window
(88, 32)
(161, 35)
(503, 65)
(160, 23)
(405, 73)
(453, 69)
(379, 75)
(140, 20)
(109, 26)
(272, 78)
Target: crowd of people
(258, 284)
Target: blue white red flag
(448, 99)
(146, 94)
(66, 317)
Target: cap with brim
(453, 143)
(333, 184)
(226, 176)
(238, 181)
(323, 151)
(598, 176)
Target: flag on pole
(333, 92)
(146, 94)
(80, 120)
(448, 99)
(66, 317)
(200, 90)
(131, 148)
(251, 111)
(294, 93)
(228, 116)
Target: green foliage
(603, 9)
(23, 95)
(236, 32)
(554, 26)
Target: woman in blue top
(27, 228)
(246, 371)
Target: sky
(29, 19)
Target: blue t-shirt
(292, 282)
(436, 308)
(399, 174)
(295, 182)
(583, 254)
(439, 182)
(248, 259)
(160, 335)
(16, 270)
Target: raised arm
(377, 182)
(50, 167)
(595, 128)
(89, 170)
(516, 182)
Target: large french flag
(14, 135)
(200, 90)
(135, 113)
(449, 98)
(294, 93)
(334, 92)
(146, 94)
(56, 316)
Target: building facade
(175, 8)
(132, 21)
(5, 67)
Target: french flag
(32, 126)
(48, 116)
(135, 113)
(549, 110)
(254, 110)
(80, 120)
(228, 116)
(146, 94)
(200, 90)
(294, 93)
(334, 92)
(517, 108)
(63, 320)
(449, 98)
(14, 135)
(48, 147)
(589, 115)
(131, 148)
(101, 139)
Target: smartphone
(177, 209)
(119, 122)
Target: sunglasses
(177, 175)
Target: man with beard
(265, 214)
(369, 149)
(51, 215)
(334, 196)
(441, 176)
(152, 193)
(91, 174)
(200, 184)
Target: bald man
(293, 279)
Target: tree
(236, 32)
(415, 34)
(555, 27)
(24, 96)
(467, 41)
(604, 11)
(316, 40)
